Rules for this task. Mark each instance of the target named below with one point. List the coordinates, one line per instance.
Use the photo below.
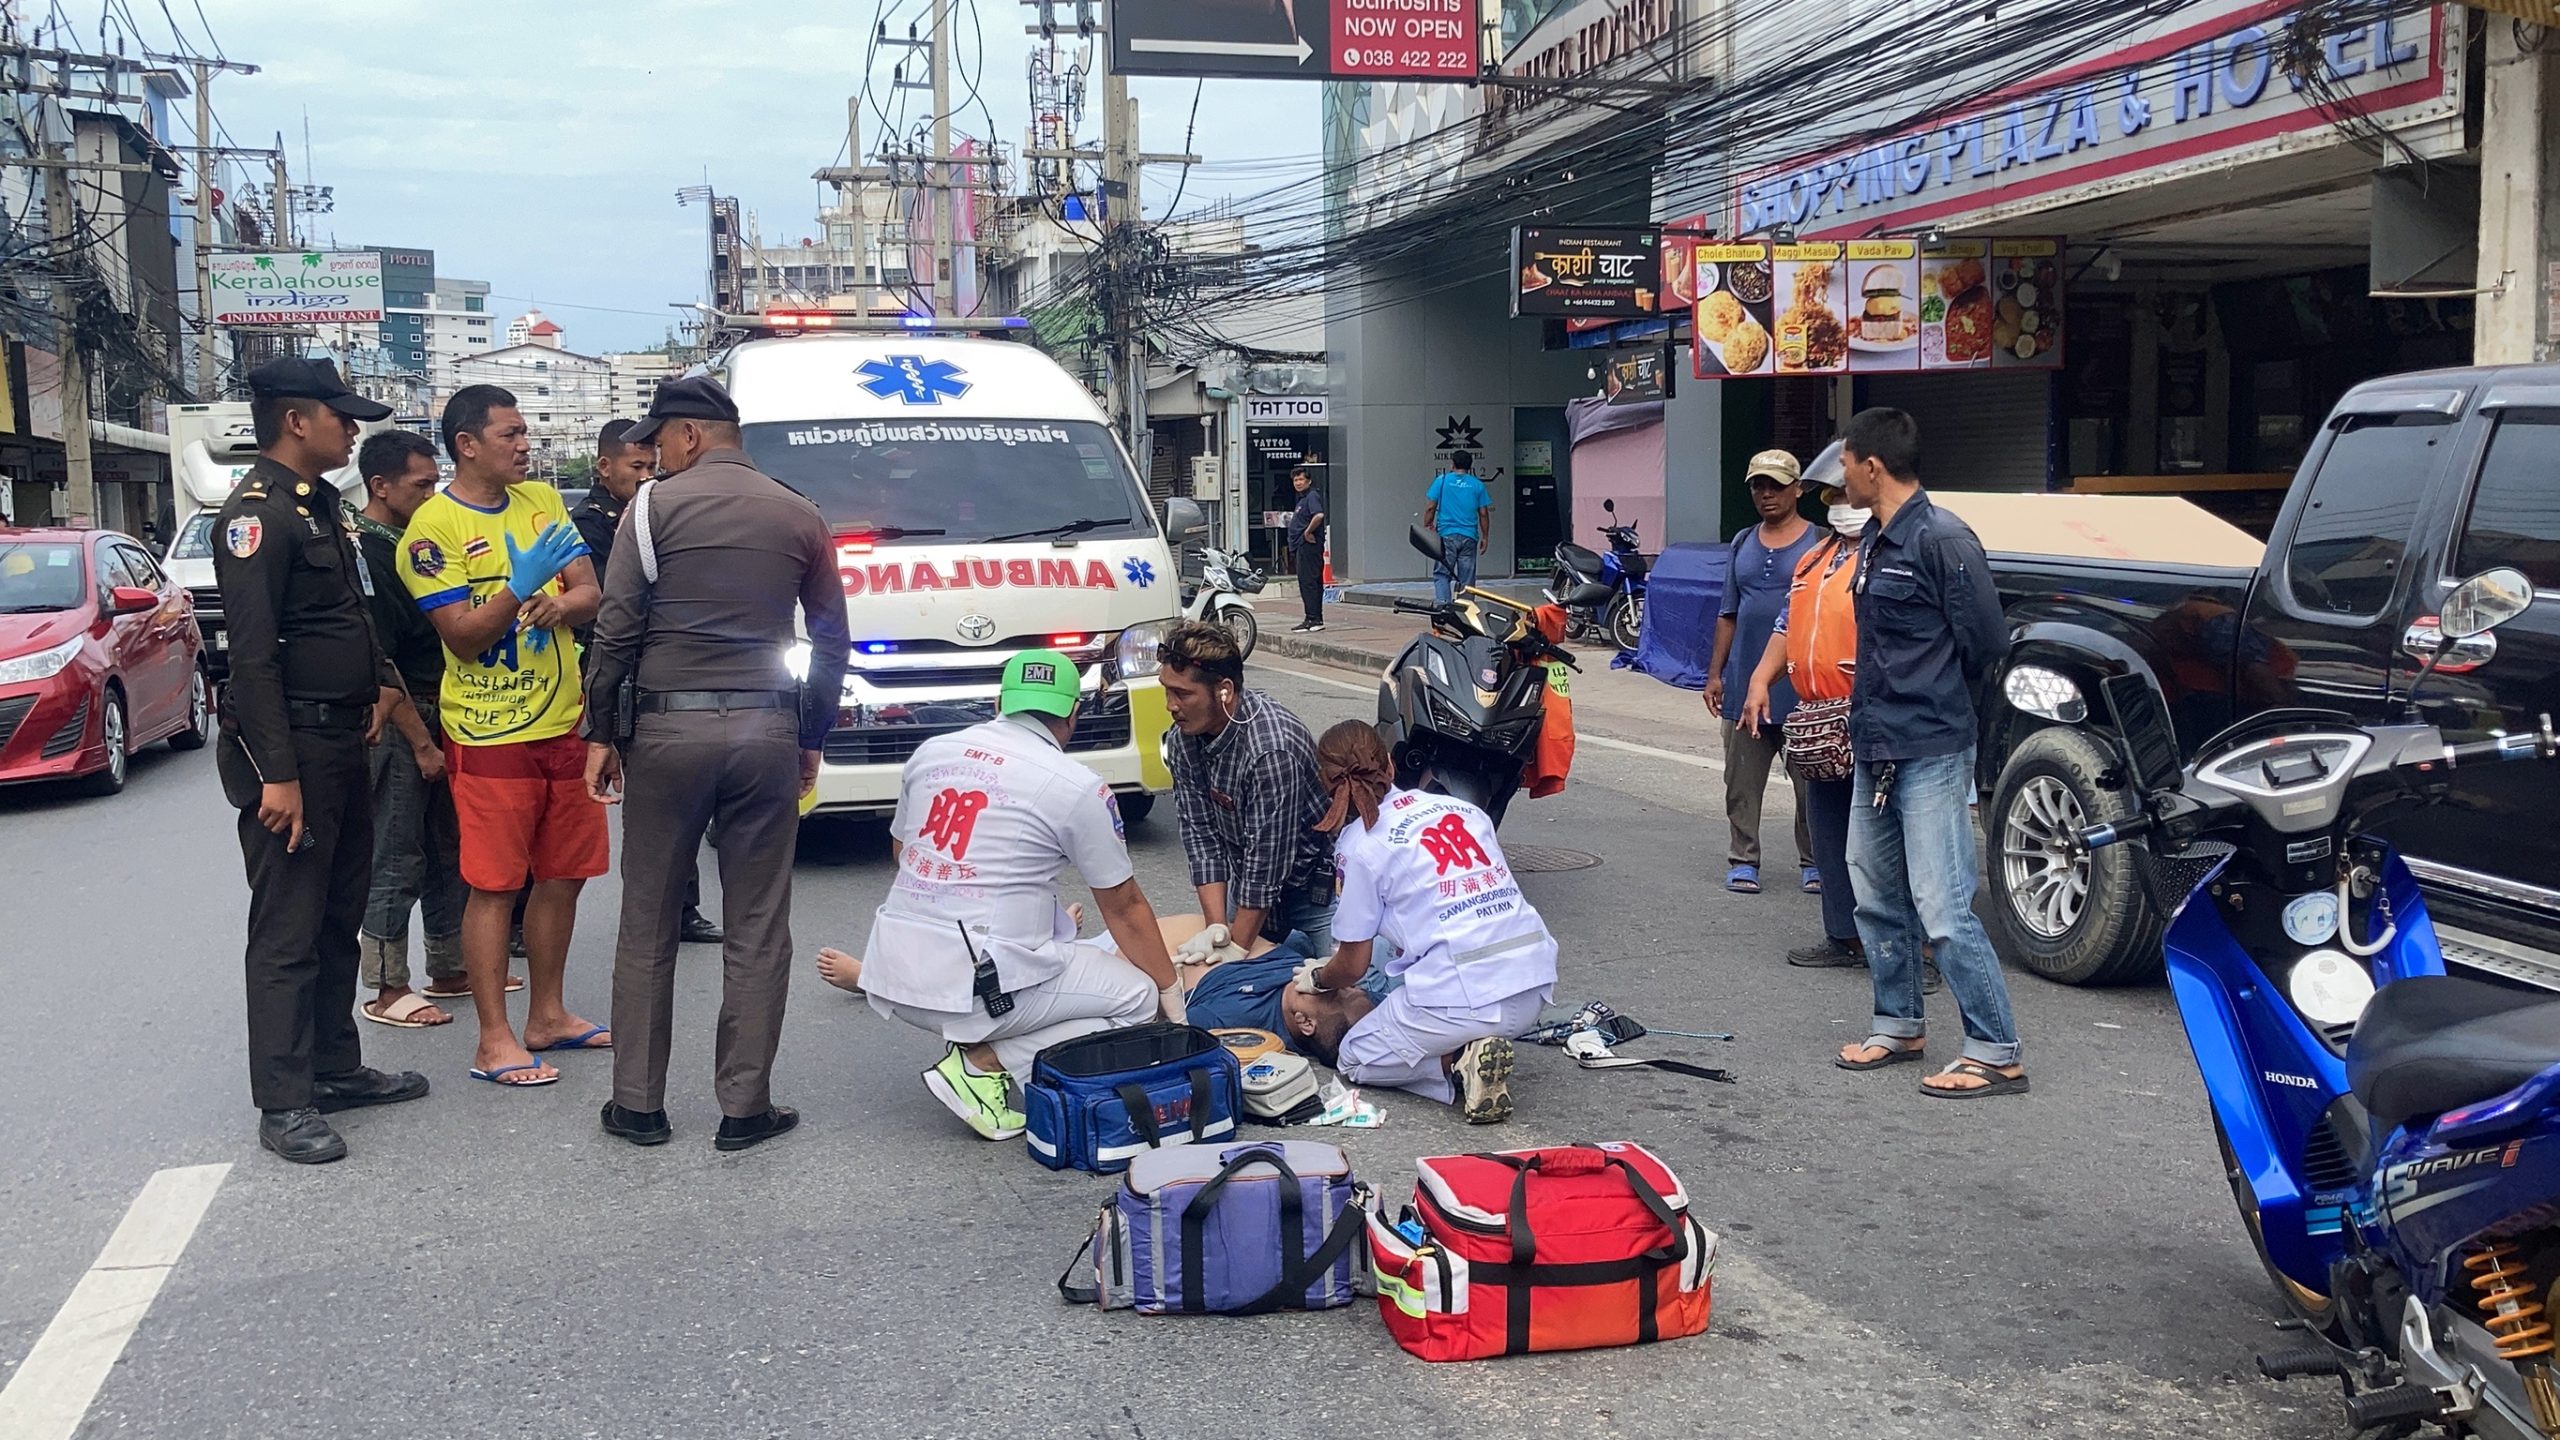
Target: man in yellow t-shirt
(504, 578)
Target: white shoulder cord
(640, 531)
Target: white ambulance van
(981, 506)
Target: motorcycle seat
(2432, 1043)
(1577, 559)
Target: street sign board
(1298, 39)
(312, 287)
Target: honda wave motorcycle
(1226, 577)
(1602, 594)
(1462, 707)
(2391, 1133)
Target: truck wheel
(2070, 914)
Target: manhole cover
(1547, 859)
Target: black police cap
(297, 378)
(688, 397)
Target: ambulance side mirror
(1185, 523)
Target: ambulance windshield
(946, 482)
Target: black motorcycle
(1461, 708)
(1602, 594)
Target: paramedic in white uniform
(1426, 874)
(987, 818)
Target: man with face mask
(708, 569)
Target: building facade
(565, 397)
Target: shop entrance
(1270, 453)
(1541, 474)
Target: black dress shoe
(698, 929)
(363, 1086)
(1829, 955)
(640, 1127)
(737, 1134)
(300, 1136)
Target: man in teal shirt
(1459, 507)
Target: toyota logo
(977, 627)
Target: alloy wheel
(2042, 859)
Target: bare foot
(1868, 1053)
(517, 1062)
(383, 1007)
(1966, 1075)
(983, 1058)
(1075, 914)
(840, 970)
(569, 1033)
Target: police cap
(297, 378)
(688, 397)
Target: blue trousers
(1913, 866)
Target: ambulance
(981, 506)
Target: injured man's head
(1318, 1022)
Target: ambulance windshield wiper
(1071, 527)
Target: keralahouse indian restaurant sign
(2211, 93)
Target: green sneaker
(979, 1100)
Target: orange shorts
(523, 810)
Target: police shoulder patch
(241, 536)
(426, 557)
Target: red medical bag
(1566, 1248)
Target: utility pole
(1121, 205)
(63, 224)
(208, 356)
(945, 289)
(853, 197)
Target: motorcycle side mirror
(2484, 602)
(1426, 542)
(1609, 505)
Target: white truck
(981, 506)
(210, 448)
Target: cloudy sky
(538, 144)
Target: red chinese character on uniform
(1472, 885)
(942, 870)
(1448, 889)
(1448, 842)
(951, 820)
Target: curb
(1324, 652)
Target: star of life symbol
(912, 379)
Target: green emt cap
(1038, 680)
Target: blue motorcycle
(1602, 594)
(2391, 1133)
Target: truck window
(951, 482)
(195, 538)
(2347, 547)
(2515, 507)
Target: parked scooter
(1462, 707)
(2391, 1133)
(1226, 577)
(1602, 594)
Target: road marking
(1650, 752)
(52, 1391)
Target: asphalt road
(488, 1264)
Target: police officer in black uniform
(307, 692)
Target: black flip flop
(1999, 1084)
(1898, 1051)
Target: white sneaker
(1482, 1073)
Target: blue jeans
(1457, 568)
(1826, 814)
(417, 849)
(1307, 909)
(1912, 864)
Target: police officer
(697, 614)
(309, 687)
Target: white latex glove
(1305, 980)
(1169, 1000)
(1207, 948)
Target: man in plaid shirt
(1244, 782)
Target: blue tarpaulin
(1681, 598)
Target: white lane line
(1650, 752)
(52, 1391)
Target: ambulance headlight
(796, 660)
(1136, 652)
(2329, 987)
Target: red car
(98, 657)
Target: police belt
(661, 702)
(321, 715)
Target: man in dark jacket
(1929, 630)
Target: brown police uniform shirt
(736, 551)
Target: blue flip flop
(494, 1077)
(1743, 879)
(1812, 880)
(579, 1042)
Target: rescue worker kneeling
(972, 943)
(1426, 873)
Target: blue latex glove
(528, 570)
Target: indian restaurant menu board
(1734, 285)
(1871, 306)
(1811, 333)
(1883, 305)
(1992, 303)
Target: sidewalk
(1626, 706)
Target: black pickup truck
(2413, 483)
